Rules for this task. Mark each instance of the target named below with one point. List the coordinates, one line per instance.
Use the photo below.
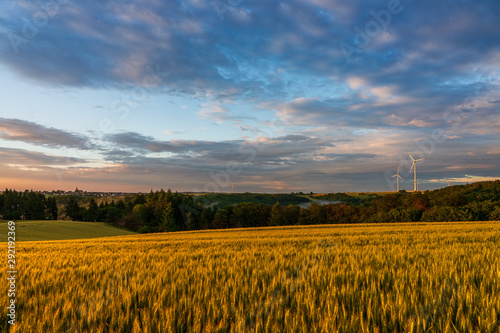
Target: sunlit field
(440, 277)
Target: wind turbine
(449, 183)
(414, 167)
(398, 177)
(233, 186)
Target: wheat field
(412, 277)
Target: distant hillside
(472, 202)
(460, 195)
(221, 200)
(353, 198)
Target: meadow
(407, 277)
(58, 230)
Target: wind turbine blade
(411, 157)
(420, 159)
(397, 173)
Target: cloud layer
(29, 132)
(248, 50)
(352, 86)
(282, 163)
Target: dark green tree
(168, 222)
(73, 210)
(291, 214)
(92, 211)
(277, 217)
(52, 211)
(222, 218)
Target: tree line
(166, 211)
(27, 205)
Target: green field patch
(60, 230)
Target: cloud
(281, 163)
(263, 150)
(293, 138)
(269, 51)
(356, 82)
(214, 112)
(105, 43)
(33, 133)
(168, 132)
(23, 157)
(466, 179)
(147, 144)
(219, 114)
(419, 123)
(432, 69)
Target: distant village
(84, 193)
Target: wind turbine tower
(233, 186)
(414, 168)
(398, 177)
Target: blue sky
(309, 95)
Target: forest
(162, 211)
(27, 205)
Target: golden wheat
(441, 277)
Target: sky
(274, 96)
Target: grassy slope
(58, 230)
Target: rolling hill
(59, 230)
